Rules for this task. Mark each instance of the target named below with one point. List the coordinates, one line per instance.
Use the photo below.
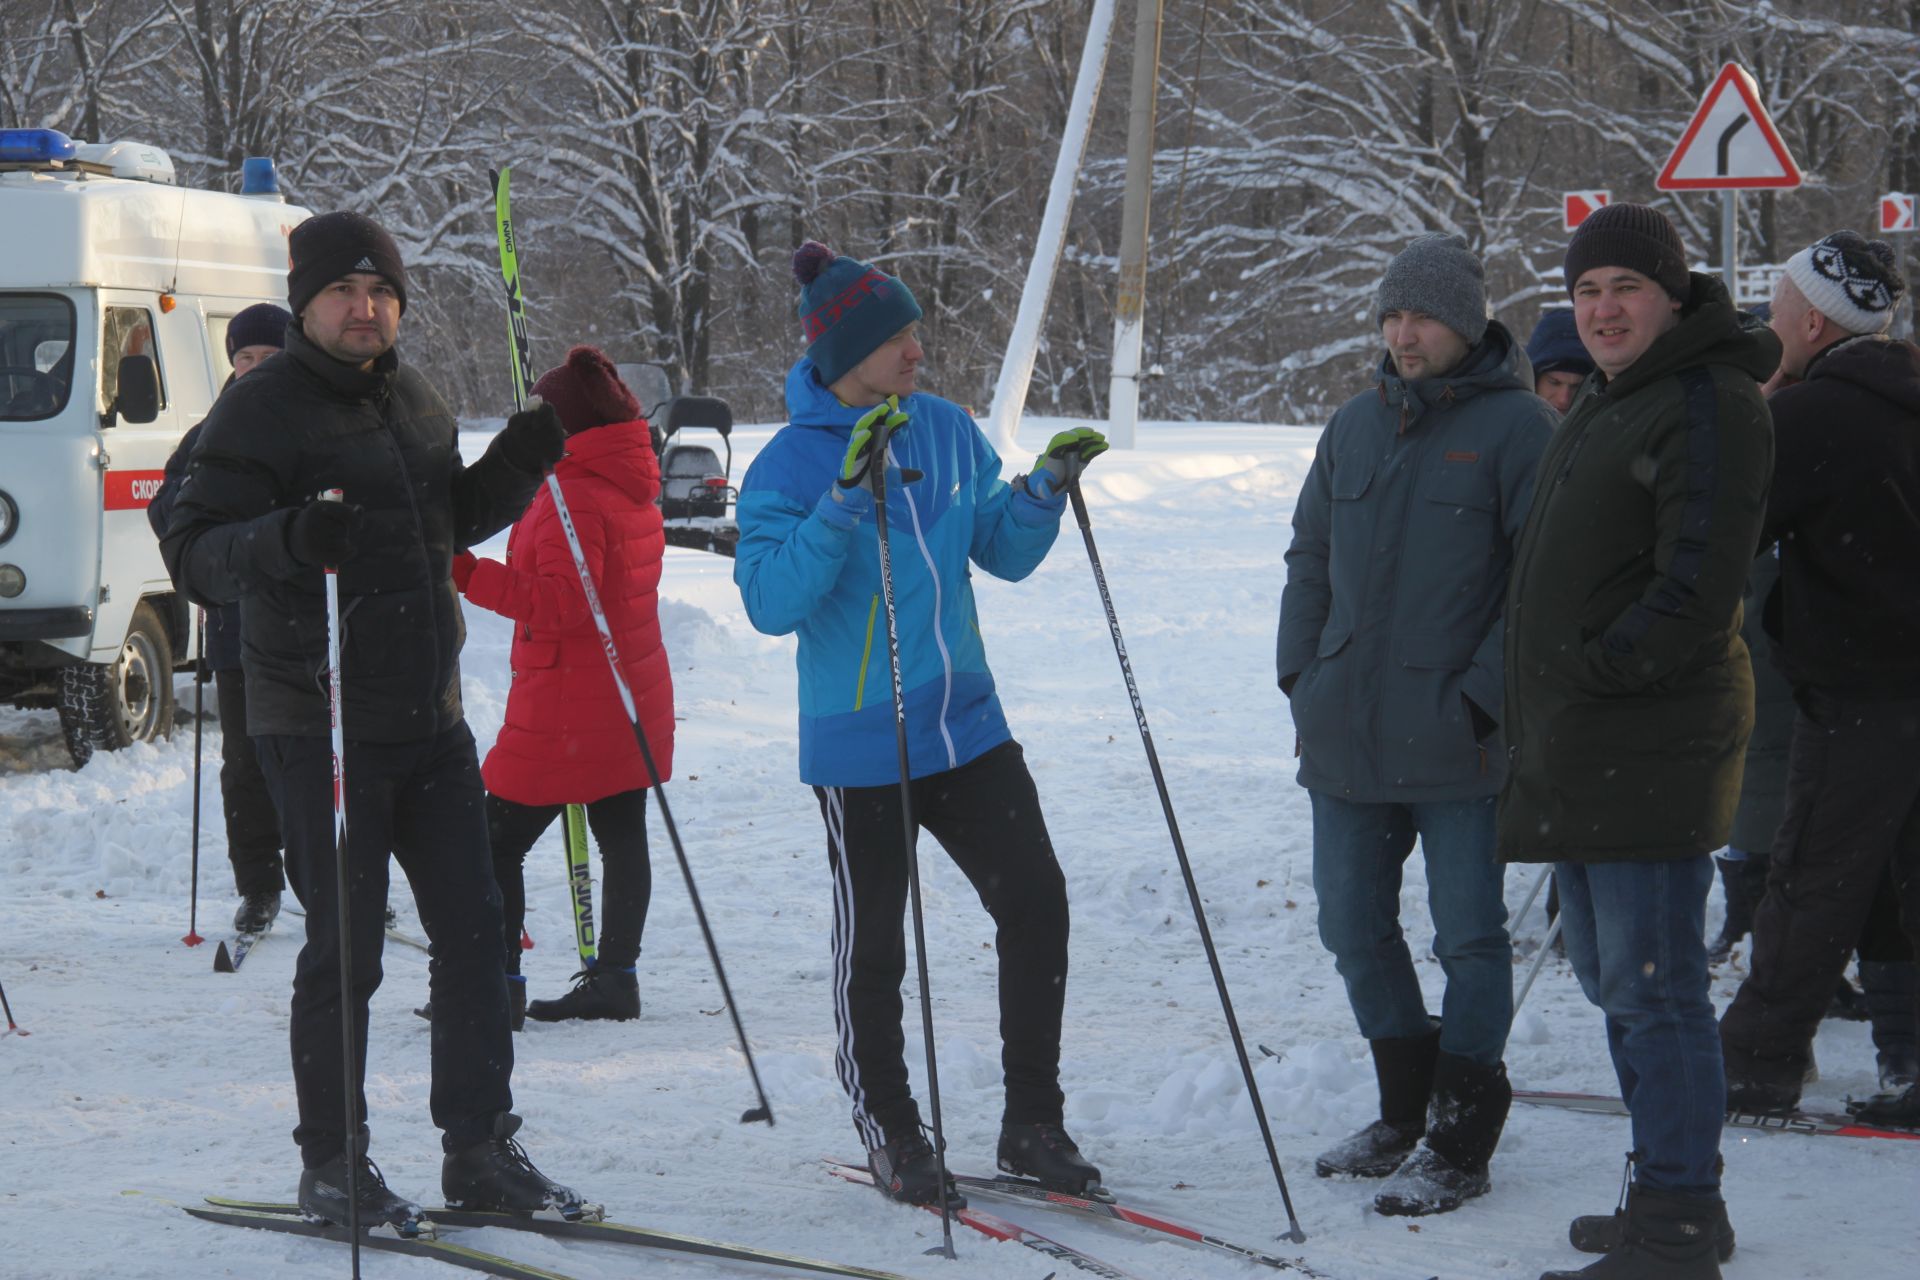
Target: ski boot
(323, 1197)
(257, 911)
(495, 1175)
(1046, 1154)
(598, 992)
(904, 1169)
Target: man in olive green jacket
(1630, 696)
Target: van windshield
(36, 355)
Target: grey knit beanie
(1437, 274)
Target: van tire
(106, 706)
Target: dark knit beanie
(1555, 346)
(847, 308)
(1440, 276)
(260, 325)
(1850, 279)
(1635, 236)
(322, 249)
(587, 392)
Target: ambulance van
(116, 287)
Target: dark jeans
(619, 826)
(253, 828)
(422, 803)
(1853, 817)
(1636, 937)
(1358, 853)
(986, 815)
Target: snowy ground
(146, 1071)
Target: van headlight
(9, 516)
(12, 581)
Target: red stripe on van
(132, 490)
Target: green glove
(1066, 456)
(869, 438)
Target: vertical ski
(579, 870)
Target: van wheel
(107, 706)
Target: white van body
(134, 265)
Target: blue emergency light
(257, 177)
(34, 146)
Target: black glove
(533, 440)
(322, 533)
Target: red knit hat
(587, 392)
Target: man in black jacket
(1845, 508)
(253, 829)
(340, 411)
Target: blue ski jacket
(809, 562)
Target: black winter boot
(1745, 883)
(1763, 1084)
(1449, 1168)
(257, 911)
(1896, 1110)
(904, 1169)
(1667, 1237)
(598, 992)
(1603, 1233)
(323, 1197)
(1892, 989)
(1046, 1154)
(495, 1175)
(1403, 1067)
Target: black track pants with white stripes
(986, 815)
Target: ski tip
(223, 960)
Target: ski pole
(350, 1095)
(1539, 960)
(509, 266)
(13, 1028)
(1514, 920)
(1294, 1233)
(877, 467)
(193, 938)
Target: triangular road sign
(1730, 144)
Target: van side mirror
(698, 411)
(138, 399)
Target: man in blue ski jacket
(809, 563)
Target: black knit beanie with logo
(322, 249)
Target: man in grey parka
(1390, 652)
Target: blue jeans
(1358, 851)
(1636, 935)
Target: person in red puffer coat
(567, 739)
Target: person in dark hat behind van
(341, 411)
(253, 829)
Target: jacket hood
(619, 452)
(810, 404)
(1555, 345)
(1885, 366)
(1495, 363)
(1711, 331)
